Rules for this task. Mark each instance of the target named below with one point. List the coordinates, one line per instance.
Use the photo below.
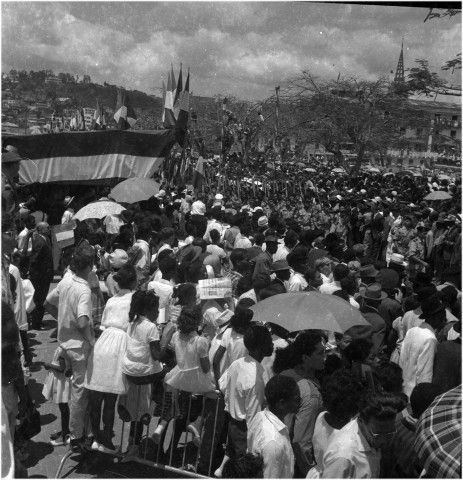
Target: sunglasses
(380, 435)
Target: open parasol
(338, 170)
(438, 195)
(374, 170)
(438, 436)
(135, 190)
(98, 210)
(443, 177)
(310, 170)
(308, 310)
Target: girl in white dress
(141, 363)
(57, 388)
(104, 377)
(192, 374)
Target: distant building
(53, 79)
(88, 116)
(10, 128)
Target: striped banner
(89, 156)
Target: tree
(422, 81)
(370, 115)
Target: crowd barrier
(162, 470)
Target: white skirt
(104, 368)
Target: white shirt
(235, 349)
(113, 223)
(281, 253)
(145, 259)
(329, 288)
(212, 225)
(349, 455)
(22, 241)
(417, 357)
(243, 388)
(268, 436)
(297, 282)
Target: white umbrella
(99, 210)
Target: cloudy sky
(240, 48)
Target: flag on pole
(125, 115)
(198, 174)
(163, 100)
(102, 119)
(178, 94)
(169, 118)
(181, 125)
(174, 84)
(96, 115)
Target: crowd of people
(137, 337)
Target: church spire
(400, 74)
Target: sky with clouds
(239, 48)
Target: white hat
(378, 199)
(68, 200)
(161, 194)
(219, 196)
(394, 193)
(362, 191)
(339, 197)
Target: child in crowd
(57, 388)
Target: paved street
(44, 459)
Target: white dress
(57, 387)
(188, 375)
(138, 362)
(104, 369)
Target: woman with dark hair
(360, 356)
(140, 363)
(104, 377)
(301, 360)
(341, 393)
(192, 374)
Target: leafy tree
(370, 115)
(421, 80)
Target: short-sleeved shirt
(234, 345)
(137, 360)
(243, 387)
(73, 298)
(350, 456)
(268, 436)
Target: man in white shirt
(354, 451)
(215, 216)
(268, 436)
(69, 213)
(290, 241)
(340, 271)
(164, 287)
(420, 344)
(142, 262)
(243, 388)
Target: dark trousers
(65, 413)
(237, 438)
(41, 286)
(108, 401)
(209, 438)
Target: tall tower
(399, 73)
